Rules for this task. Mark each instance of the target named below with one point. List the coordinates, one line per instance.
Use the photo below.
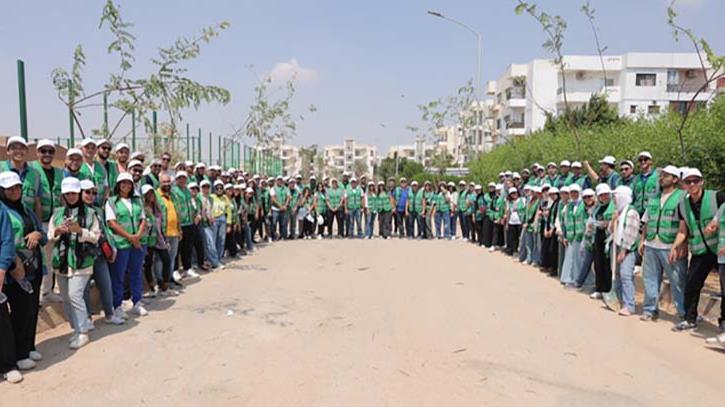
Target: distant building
(342, 158)
(420, 152)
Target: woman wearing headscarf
(74, 231)
(8, 367)
(549, 243)
(22, 282)
(321, 211)
(625, 229)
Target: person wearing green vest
(104, 157)
(265, 205)
(190, 238)
(576, 176)
(8, 367)
(497, 210)
(607, 174)
(126, 219)
(353, 209)
(603, 214)
(563, 202)
(320, 208)
(479, 212)
(335, 210)
(441, 212)
(585, 278)
(625, 241)
(529, 225)
(122, 153)
(549, 231)
(626, 169)
(415, 209)
(17, 151)
(152, 178)
(295, 193)
(370, 204)
(305, 204)
(94, 170)
(646, 185)
(385, 205)
(575, 217)
(514, 216)
(50, 180)
(280, 198)
(695, 212)
(487, 233)
(233, 224)
(74, 231)
(22, 280)
(658, 233)
(717, 227)
(461, 207)
(552, 177)
(565, 177)
(428, 199)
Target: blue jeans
(279, 218)
(247, 236)
(572, 263)
(128, 261)
(102, 277)
(452, 223)
(415, 221)
(173, 251)
(655, 262)
(72, 289)
(585, 277)
(536, 255)
(371, 224)
(624, 281)
(445, 219)
(219, 236)
(211, 253)
(465, 227)
(353, 222)
(293, 223)
(526, 247)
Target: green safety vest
(416, 201)
(354, 198)
(531, 209)
(30, 187)
(494, 210)
(553, 181)
(384, 202)
(18, 229)
(565, 181)
(698, 243)
(480, 203)
(264, 200)
(49, 200)
(321, 203)
(580, 180)
(334, 196)
(721, 239)
(60, 214)
(280, 196)
(429, 199)
(99, 178)
(462, 197)
(101, 215)
(151, 234)
(130, 221)
(154, 180)
(663, 222)
(471, 199)
(182, 203)
(645, 192)
(575, 221)
(164, 210)
(112, 172)
(373, 203)
(441, 204)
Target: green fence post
(71, 140)
(199, 145)
(133, 130)
(210, 148)
(154, 123)
(188, 150)
(105, 114)
(22, 105)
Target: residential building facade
(342, 158)
(420, 152)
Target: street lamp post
(478, 55)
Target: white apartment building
(420, 152)
(341, 158)
(463, 144)
(636, 84)
(291, 160)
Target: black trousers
(321, 228)
(512, 239)
(24, 316)
(152, 254)
(401, 224)
(479, 232)
(7, 341)
(384, 227)
(487, 231)
(230, 243)
(549, 252)
(192, 239)
(498, 237)
(602, 268)
(700, 266)
(337, 217)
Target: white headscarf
(622, 197)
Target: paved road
(375, 323)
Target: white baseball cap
(609, 160)
(70, 185)
(478, 187)
(576, 164)
(575, 188)
(499, 187)
(103, 141)
(200, 165)
(553, 190)
(603, 189)
(16, 140)
(512, 190)
(691, 172)
(136, 154)
(87, 141)
(249, 190)
(414, 183)
(491, 184)
(188, 163)
(451, 184)
(45, 143)
(672, 170)
(218, 183)
(565, 163)
(205, 183)
(193, 185)
(564, 190)
(550, 164)
(516, 175)
(588, 192)
(87, 184)
(9, 179)
(121, 146)
(645, 154)
(181, 174)
(228, 186)
(72, 152)
(134, 163)
(146, 188)
(124, 176)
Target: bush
(704, 138)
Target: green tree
(359, 168)
(405, 168)
(441, 161)
(308, 155)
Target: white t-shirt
(111, 211)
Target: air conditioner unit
(580, 75)
(690, 74)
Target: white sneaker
(13, 376)
(80, 341)
(596, 296)
(115, 320)
(35, 356)
(51, 297)
(491, 249)
(176, 276)
(26, 364)
(221, 267)
(319, 237)
(119, 312)
(139, 310)
(72, 338)
(190, 273)
(89, 325)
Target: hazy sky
(364, 64)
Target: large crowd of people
(137, 228)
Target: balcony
(685, 87)
(579, 95)
(515, 125)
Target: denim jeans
(72, 289)
(102, 277)
(624, 282)
(572, 263)
(452, 223)
(465, 227)
(352, 220)
(279, 221)
(219, 234)
(655, 262)
(525, 245)
(371, 224)
(173, 251)
(536, 254)
(247, 237)
(415, 222)
(211, 253)
(128, 261)
(445, 219)
(585, 277)
(292, 223)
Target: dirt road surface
(376, 323)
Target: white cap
(491, 184)
(609, 160)
(691, 172)
(200, 165)
(527, 187)
(238, 186)
(414, 183)
(134, 163)
(249, 190)
(553, 190)
(451, 184)
(516, 175)
(603, 189)
(103, 141)
(645, 154)
(228, 186)
(499, 187)
(512, 190)
(73, 151)
(87, 141)
(124, 176)
(181, 174)
(536, 189)
(156, 161)
(545, 186)
(136, 154)
(575, 188)
(298, 176)
(576, 164)
(312, 177)
(478, 186)
(146, 188)
(550, 164)
(16, 139)
(45, 143)
(672, 170)
(188, 163)
(501, 174)
(565, 163)
(193, 185)
(121, 146)
(70, 185)
(9, 179)
(224, 173)
(461, 182)
(280, 178)
(345, 174)
(87, 184)
(353, 179)
(627, 162)
(564, 189)
(588, 192)
(205, 183)
(218, 183)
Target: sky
(365, 65)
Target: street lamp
(478, 54)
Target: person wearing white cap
(549, 241)
(22, 288)
(104, 158)
(190, 239)
(200, 173)
(247, 216)
(137, 155)
(353, 209)
(583, 275)
(157, 247)
(17, 151)
(497, 213)
(574, 216)
(441, 212)
(170, 225)
(294, 221)
(458, 209)
(135, 168)
(479, 212)
(626, 169)
(552, 176)
(152, 178)
(280, 199)
(515, 213)
(564, 179)
(126, 219)
(117, 166)
(8, 366)
(335, 210)
(602, 214)
(219, 212)
(528, 225)
(74, 232)
(233, 233)
(646, 186)
(625, 245)
(607, 174)
(661, 225)
(696, 212)
(576, 176)
(415, 208)
(563, 203)
(93, 170)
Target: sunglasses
(90, 192)
(136, 170)
(166, 159)
(692, 181)
(643, 160)
(47, 151)
(105, 148)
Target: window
(646, 79)
(653, 109)
(608, 82)
(633, 109)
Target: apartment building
(420, 152)
(636, 85)
(342, 158)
